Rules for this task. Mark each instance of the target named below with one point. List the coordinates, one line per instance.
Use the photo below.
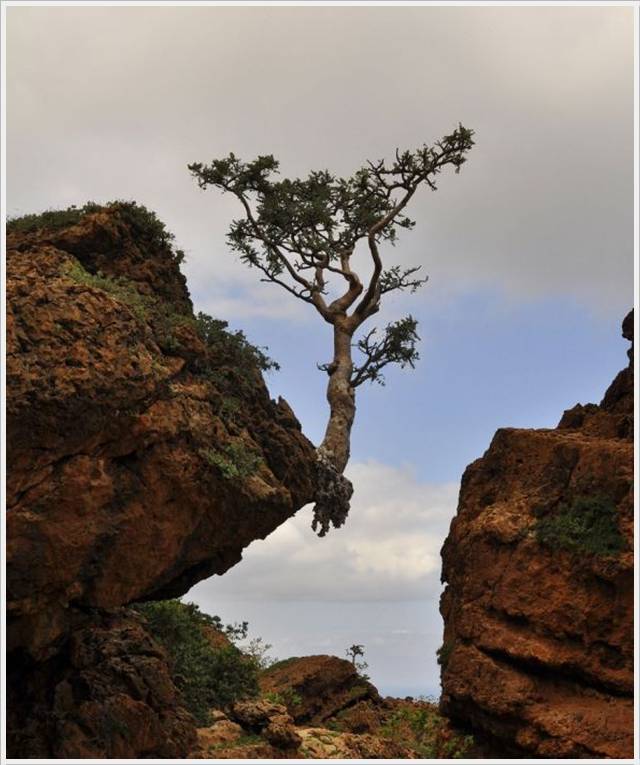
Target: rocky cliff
(144, 454)
(537, 655)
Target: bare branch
(396, 279)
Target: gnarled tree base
(332, 495)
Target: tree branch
(398, 346)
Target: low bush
(444, 653)
(288, 697)
(421, 728)
(232, 346)
(235, 460)
(587, 525)
(209, 677)
(144, 224)
(122, 289)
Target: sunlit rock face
(537, 655)
(143, 456)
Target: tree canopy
(302, 234)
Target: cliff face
(538, 642)
(144, 452)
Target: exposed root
(333, 493)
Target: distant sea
(402, 691)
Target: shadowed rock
(142, 455)
(537, 656)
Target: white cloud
(375, 581)
(389, 548)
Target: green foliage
(397, 346)
(420, 727)
(234, 461)
(208, 677)
(288, 697)
(587, 525)
(145, 224)
(258, 649)
(232, 346)
(443, 654)
(122, 289)
(50, 219)
(323, 214)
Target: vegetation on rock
(144, 224)
(208, 676)
(420, 727)
(235, 460)
(587, 525)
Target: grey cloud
(388, 550)
(113, 102)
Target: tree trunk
(333, 491)
(341, 398)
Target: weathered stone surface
(126, 433)
(538, 642)
(218, 733)
(110, 415)
(320, 686)
(107, 693)
(256, 714)
(282, 733)
(320, 743)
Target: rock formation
(321, 687)
(319, 707)
(537, 656)
(144, 454)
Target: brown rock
(220, 732)
(110, 416)
(538, 643)
(315, 688)
(321, 743)
(108, 693)
(281, 733)
(140, 461)
(256, 714)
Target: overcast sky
(529, 250)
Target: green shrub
(443, 654)
(144, 224)
(50, 219)
(233, 347)
(208, 677)
(288, 697)
(122, 289)
(421, 728)
(234, 461)
(588, 525)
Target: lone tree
(302, 233)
